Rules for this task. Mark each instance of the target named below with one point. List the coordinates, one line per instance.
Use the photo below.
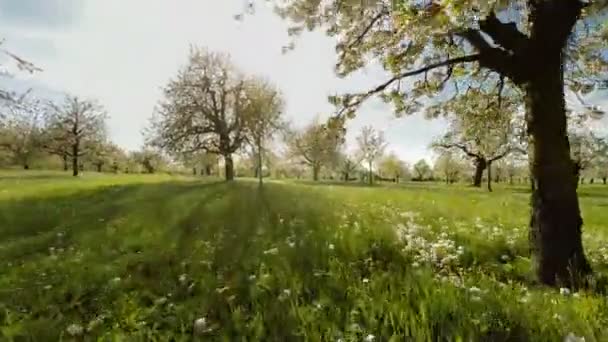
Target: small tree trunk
(194, 171)
(75, 151)
(99, 167)
(555, 224)
(489, 176)
(26, 166)
(208, 170)
(591, 181)
(604, 180)
(228, 167)
(511, 180)
(371, 176)
(480, 166)
(260, 175)
(346, 176)
(65, 162)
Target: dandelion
(474, 290)
(365, 280)
(504, 257)
(183, 278)
(48, 287)
(287, 292)
(75, 329)
(576, 295)
(252, 277)
(272, 251)
(564, 291)
(291, 244)
(369, 338)
(331, 246)
(201, 326)
(415, 264)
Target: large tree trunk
(75, 151)
(315, 172)
(555, 224)
(228, 167)
(480, 166)
(489, 176)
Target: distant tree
(585, 148)
(347, 165)
(264, 113)
(392, 167)
(316, 145)
(150, 160)
(105, 154)
(20, 129)
(448, 165)
(422, 170)
(371, 144)
(73, 129)
(204, 109)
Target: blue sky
(122, 52)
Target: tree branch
(359, 98)
(461, 147)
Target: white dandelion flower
(75, 329)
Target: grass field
(159, 258)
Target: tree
(20, 129)
(485, 135)
(347, 165)
(73, 128)
(536, 46)
(204, 109)
(449, 166)
(316, 145)
(392, 167)
(150, 159)
(263, 118)
(422, 170)
(371, 147)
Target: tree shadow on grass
(28, 226)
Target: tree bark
(480, 166)
(259, 169)
(228, 167)
(315, 172)
(65, 162)
(75, 151)
(555, 224)
(371, 175)
(604, 180)
(489, 167)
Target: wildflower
(201, 326)
(576, 295)
(474, 290)
(95, 323)
(115, 280)
(252, 277)
(415, 264)
(291, 244)
(287, 292)
(331, 246)
(476, 299)
(365, 280)
(183, 278)
(160, 301)
(564, 291)
(272, 251)
(504, 257)
(48, 287)
(369, 338)
(75, 329)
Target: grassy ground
(157, 258)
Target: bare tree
(316, 146)
(371, 147)
(73, 128)
(204, 109)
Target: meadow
(167, 258)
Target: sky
(123, 52)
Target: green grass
(141, 258)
